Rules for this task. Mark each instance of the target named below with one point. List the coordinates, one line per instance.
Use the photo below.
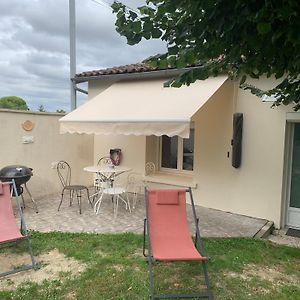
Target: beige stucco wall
(48, 146)
(96, 87)
(133, 151)
(258, 184)
(133, 147)
(254, 189)
(212, 167)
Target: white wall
(49, 146)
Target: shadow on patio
(213, 223)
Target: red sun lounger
(9, 230)
(168, 235)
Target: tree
(241, 38)
(13, 102)
(61, 111)
(41, 108)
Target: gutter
(137, 75)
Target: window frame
(179, 158)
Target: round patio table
(107, 172)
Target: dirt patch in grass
(101, 253)
(51, 265)
(138, 253)
(273, 275)
(118, 268)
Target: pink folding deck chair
(9, 230)
(168, 235)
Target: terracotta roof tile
(132, 68)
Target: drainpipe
(72, 32)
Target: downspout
(72, 32)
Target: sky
(34, 48)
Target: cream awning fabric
(141, 107)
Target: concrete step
(265, 231)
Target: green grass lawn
(239, 268)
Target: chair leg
(128, 202)
(134, 199)
(151, 277)
(78, 195)
(33, 264)
(31, 254)
(144, 238)
(204, 265)
(71, 197)
(88, 197)
(116, 205)
(61, 199)
(98, 204)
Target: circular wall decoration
(28, 125)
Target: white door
(293, 216)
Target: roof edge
(147, 74)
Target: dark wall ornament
(236, 141)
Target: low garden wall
(33, 139)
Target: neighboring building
(131, 100)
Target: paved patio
(213, 223)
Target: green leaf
(162, 64)
(176, 84)
(136, 27)
(135, 39)
(147, 35)
(244, 77)
(263, 28)
(180, 63)
(156, 33)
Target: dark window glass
(188, 152)
(295, 184)
(169, 152)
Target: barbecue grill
(21, 174)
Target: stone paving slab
(213, 223)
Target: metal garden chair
(135, 185)
(64, 174)
(169, 238)
(116, 193)
(100, 182)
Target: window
(177, 153)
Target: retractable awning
(141, 107)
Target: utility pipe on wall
(72, 32)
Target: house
(187, 133)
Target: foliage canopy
(241, 38)
(13, 102)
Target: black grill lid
(15, 171)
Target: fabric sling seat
(169, 237)
(9, 230)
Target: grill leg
(23, 202)
(31, 198)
